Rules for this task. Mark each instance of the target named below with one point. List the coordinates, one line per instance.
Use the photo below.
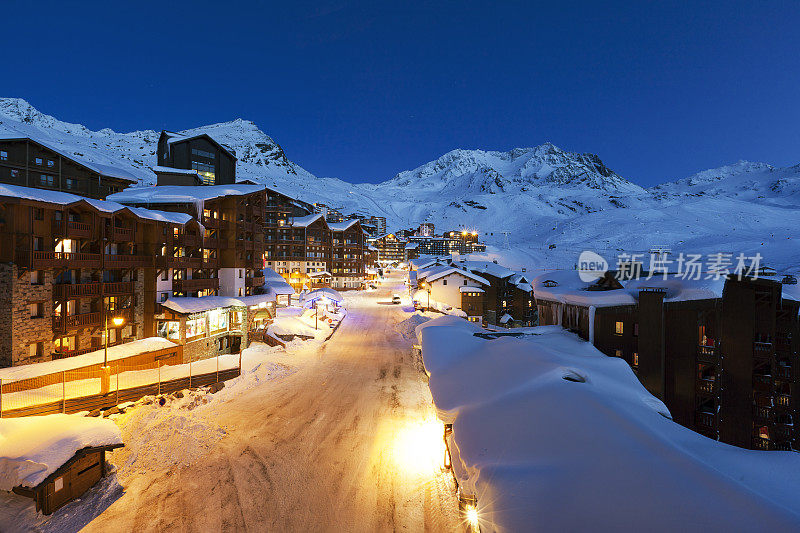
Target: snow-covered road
(346, 442)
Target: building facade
(215, 163)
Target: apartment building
(214, 162)
(391, 249)
(69, 264)
(348, 255)
(721, 354)
(36, 162)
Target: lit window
(38, 160)
(37, 310)
(618, 328)
(36, 349)
(3, 156)
(617, 353)
(635, 359)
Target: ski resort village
(346, 266)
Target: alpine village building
(198, 258)
(722, 355)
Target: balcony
(255, 281)
(762, 348)
(707, 354)
(783, 400)
(764, 414)
(210, 262)
(192, 241)
(73, 230)
(127, 261)
(122, 234)
(63, 323)
(211, 242)
(118, 287)
(178, 262)
(209, 222)
(784, 372)
(78, 290)
(38, 259)
(706, 386)
(763, 383)
(705, 420)
(197, 284)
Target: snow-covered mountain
(541, 196)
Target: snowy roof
(324, 292)
(33, 447)
(303, 222)
(447, 270)
(175, 194)
(67, 199)
(173, 170)
(572, 290)
(187, 305)
(121, 351)
(341, 226)
(412, 245)
(173, 137)
(465, 288)
(549, 431)
(276, 283)
(321, 274)
(19, 131)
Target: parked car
(395, 299)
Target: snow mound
(407, 327)
(551, 433)
(32, 448)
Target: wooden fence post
(190, 373)
(63, 392)
(217, 368)
(117, 383)
(159, 378)
(240, 362)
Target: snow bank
(32, 448)
(551, 434)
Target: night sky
(361, 91)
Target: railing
(118, 287)
(210, 262)
(192, 240)
(209, 222)
(762, 413)
(704, 419)
(92, 387)
(707, 386)
(184, 285)
(50, 259)
(179, 262)
(72, 229)
(762, 383)
(72, 353)
(211, 242)
(127, 261)
(707, 354)
(255, 281)
(75, 321)
(77, 290)
(783, 400)
(122, 234)
(762, 347)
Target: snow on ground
(552, 435)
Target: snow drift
(551, 434)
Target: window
(444, 282)
(636, 329)
(51, 163)
(38, 214)
(195, 327)
(169, 329)
(465, 282)
(618, 328)
(240, 274)
(14, 173)
(64, 344)
(46, 180)
(635, 359)
(3, 155)
(38, 160)
(37, 277)
(37, 309)
(38, 243)
(36, 349)
(165, 275)
(164, 296)
(69, 183)
(203, 153)
(617, 353)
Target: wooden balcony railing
(127, 261)
(209, 222)
(704, 419)
(118, 287)
(78, 230)
(78, 290)
(122, 234)
(197, 284)
(76, 321)
(255, 281)
(707, 386)
(39, 259)
(192, 241)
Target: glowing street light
(105, 376)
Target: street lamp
(105, 375)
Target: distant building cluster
(199, 258)
(405, 245)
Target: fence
(94, 387)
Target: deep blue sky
(361, 91)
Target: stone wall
(19, 330)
